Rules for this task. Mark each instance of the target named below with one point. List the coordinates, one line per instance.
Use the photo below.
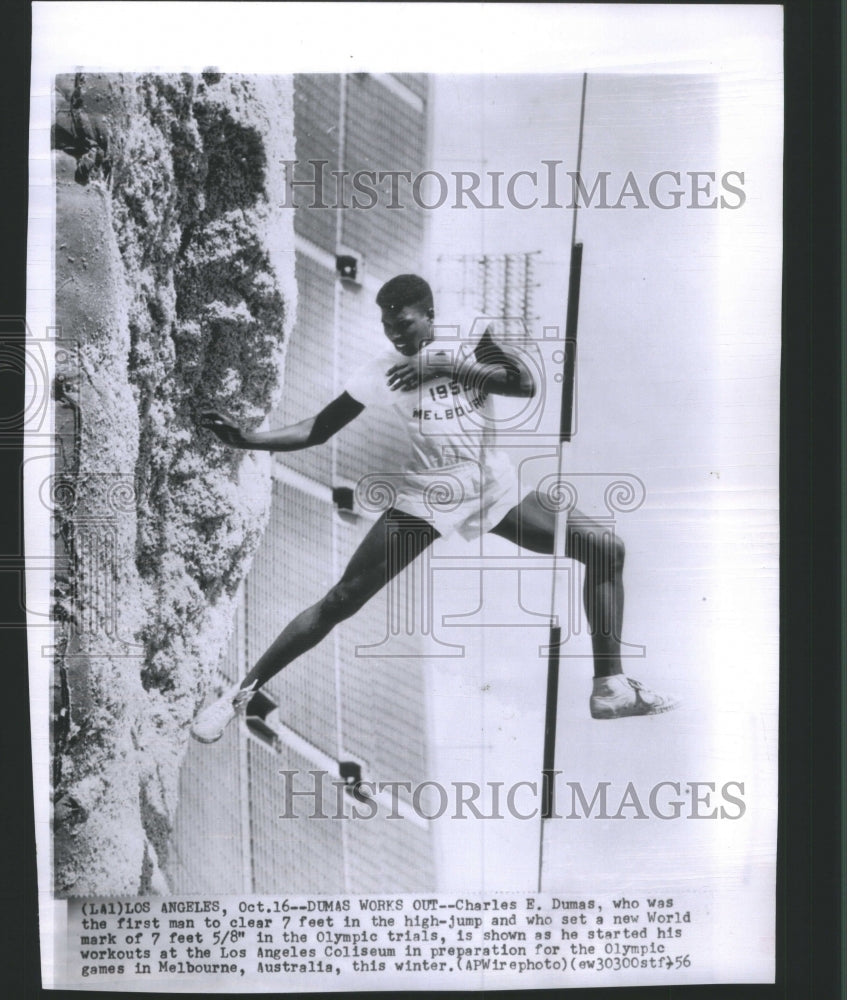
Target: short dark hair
(405, 290)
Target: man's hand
(225, 428)
(429, 364)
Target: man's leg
(602, 553)
(391, 544)
(380, 557)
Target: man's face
(407, 328)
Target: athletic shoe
(210, 723)
(618, 696)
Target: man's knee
(344, 600)
(608, 552)
(614, 551)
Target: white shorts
(470, 498)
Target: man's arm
(490, 369)
(314, 430)
(497, 370)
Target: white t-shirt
(445, 422)
(455, 476)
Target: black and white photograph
(402, 495)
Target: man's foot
(210, 723)
(618, 696)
